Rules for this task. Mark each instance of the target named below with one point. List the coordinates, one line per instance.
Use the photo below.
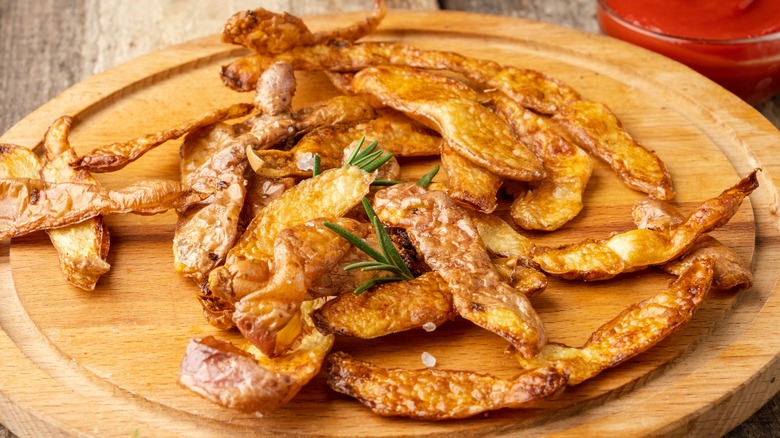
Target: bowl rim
(602, 4)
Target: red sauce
(749, 69)
(705, 19)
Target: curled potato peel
(730, 272)
(246, 380)
(28, 205)
(448, 240)
(634, 330)
(455, 112)
(330, 194)
(434, 394)
(639, 248)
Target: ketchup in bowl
(736, 43)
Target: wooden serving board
(105, 363)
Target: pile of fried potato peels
(284, 213)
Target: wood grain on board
(89, 354)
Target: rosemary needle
(386, 259)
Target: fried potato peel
(302, 254)
(115, 156)
(468, 183)
(595, 127)
(387, 308)
(553, 201)
(28, 205)
(245, 379)
(634, 330)
(395, 133)
(433, 394)
(636, 249)
(448, 240)
(267, 32)
(206, 232)
(82, 248)
(530, 88)
(330, 194)
(454, 110)
(730, 271)
(266, 131)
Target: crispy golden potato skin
(245, 379)
(596, 128)
(469, 184)
(395, 133)
(28, 205)
(454, 110)
(553, 201)
(445, 236)
(302, 254)
(433, 394)
(634, 330)
(730, 272)
(388, 308)
(330, 194)
(267, 32)
(530, 88)
(82, 247)
(115, 156)
(637, 249)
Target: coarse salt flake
(427, 359)
(429, 326)
(305, 161)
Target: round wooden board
(105, 363)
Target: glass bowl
(748, 67)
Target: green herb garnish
(426, 179)
(370, 158)
(388, 259)
(317, 168)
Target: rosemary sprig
(317, 168)
(370, 158)
(426, 179)
(388, 259)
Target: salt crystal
(306, 161)
(429, 326)
(427, 359)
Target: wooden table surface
(47, 46)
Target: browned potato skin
(525, 279)
(248, 381)
(432, 394)
(395, 133)
(28, 205)
(82, 247)
(266, 32)
(730, 271)
(469, 184)
(330, 194)
(553, 201)
(445, 236)
(501, 239)
(530, 88)
(388, 308)
(454, 110)
(115, 156)
(633, 331)
(18, 162)
(266, 131)
(302, 254)
(637, 249)
(595, 127)
(205, 233)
